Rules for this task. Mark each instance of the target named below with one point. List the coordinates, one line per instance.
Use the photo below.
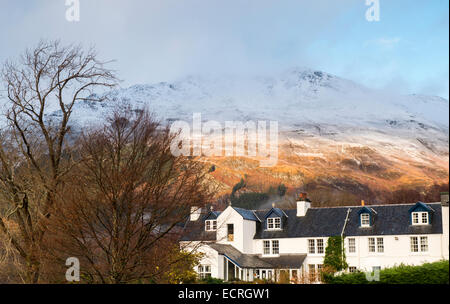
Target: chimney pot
(195, 213)
(303, 205)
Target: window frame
(230, 232)
(210, 225)
(418, 217)
(380, 244)
(312, 272)
(372, 245)
(204, 271)
(351, 243)
(316, 246)
(418, 244)
(414, 244)
(365, 219)
(275, 247)
(266, 247)
(320, 249)
(273, 222)
(312, 245)
(423, 244)
(271, 249)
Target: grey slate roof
(255, 261)
(195, 230)
(247, 214)
(325, 222)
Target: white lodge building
(247, 244)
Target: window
(365, 220)
(274, 223)
(266, 247)
(371, 244)
(311, 246)
(351, 245)
(424, 217)
(277, 223)
(319, 268)
(423, 243)
(230, 234)
(380, 245)
(319, 246)
(352, 269)
(415, 244)
(294, 276)
(316, 246)
(376, 245)
(204, 271)
(420, 218)
(275, 247)
(211, 225)
(312, 272)
(271, 247)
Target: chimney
(303, 204)
(444, 199)
(195, 213)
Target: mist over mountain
(333, 132)
(294, 97)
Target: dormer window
(211, 225)
(274, 223)
(420, 218)
(365, 220)
(421, 214)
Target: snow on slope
(296, 97)
(303, 101)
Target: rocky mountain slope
(333, 132)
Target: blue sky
(406, 51)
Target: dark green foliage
(249, 200)
(334, 255)
(429, 273)
(237, 187)
(211, 280)
(281, 190)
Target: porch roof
(256, 261)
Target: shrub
(211, 280)
(334, 255)
(429, 273)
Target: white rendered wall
(244, 230)
(210, 256)
(444, 236)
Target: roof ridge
(336, 207)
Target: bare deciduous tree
(34, 152)
(125, 201)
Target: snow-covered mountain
(295, 97)
(333, 131)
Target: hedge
(429, 273)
